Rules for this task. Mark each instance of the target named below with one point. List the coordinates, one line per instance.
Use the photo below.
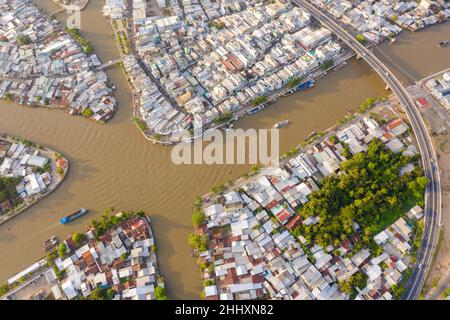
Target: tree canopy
(370, 191)
(8, 188)
(62, 250)
(198, 242)
(78, 238)
(160, 293)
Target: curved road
(433, 191)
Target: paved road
(429, 161)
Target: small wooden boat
(50, 243)
(281, 124)
(442, 44)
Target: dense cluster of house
(123, 259)
(377, 20)
(41, 65)
(29, 165)
(253, 252)
(440, 89)
(216, 58)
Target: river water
(114, 166)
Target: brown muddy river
(114, 166)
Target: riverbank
(128, 252)
(58, 70)
(75, 5)
(58, 170)
(302, 67)
(274, 216)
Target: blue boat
(256, 110)
(305, 85)
(73, 216)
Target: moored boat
(50, 243)
(442, 43)
(256, 109)
(281, 124)
(306, 85)
(73, 216)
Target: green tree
(198, 218)
(327, 64)
(198, 242)
(258, 101)
(369, 191)
(361, 39)
(62, 250)
(87, 113)
(97, 294)
(8, 96)
(4, 288)
(223, 118)
(60, 171)
(293, 82)
(160, 293)
(110, 293)
(346, 286)
(23, 40)
(78, 238)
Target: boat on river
(281, 124)
(50, 243)
(442, 44)
(73, 216)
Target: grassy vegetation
(258, 101)
(418, 226)
(123, 42)
(198, 217)
(51, 256)
(60, 171)
(8, 188)
(223, 118)
(23, 40)
(4, 288)
(345, 120)
(160, 293)
(198, 242)
(8, 96)
(358, 280)
(87, 113)
(109, 221)
(446, 293)
(327, 64)
(361, 39)
(293, 82)
(394, 214)
(292, 151)
(100, 294)
(398, 289)
(219, 25)
(369, 192)
(85, 44)
(141, 124)
(444, 146)
(218, 189)
(313, 138)
(366, 105)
